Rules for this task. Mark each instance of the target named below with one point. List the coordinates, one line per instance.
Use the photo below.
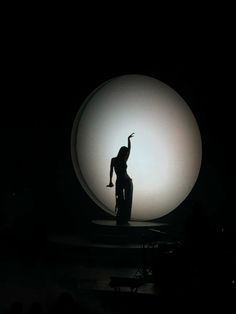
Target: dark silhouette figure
(35, 308)
(16, 308)
(66, 304)
(124, 184)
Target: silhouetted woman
(124, 184)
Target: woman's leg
(128, 199)
(120, 218)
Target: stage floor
(130, 224)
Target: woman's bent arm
(111, 174)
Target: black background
(47, 72)
(46, 78)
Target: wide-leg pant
(124, 198)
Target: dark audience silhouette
(16, 308)
(66, 304)
(35, 308)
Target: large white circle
(166, 151)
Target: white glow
(166, 152)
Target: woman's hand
(110, 185)
(131, 135)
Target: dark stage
(54, 239)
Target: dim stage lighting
(166, 150)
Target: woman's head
(122, 152)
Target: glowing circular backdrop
(166, 149)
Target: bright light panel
(166, 151)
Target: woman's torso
(120, 167)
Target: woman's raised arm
(129, 144)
